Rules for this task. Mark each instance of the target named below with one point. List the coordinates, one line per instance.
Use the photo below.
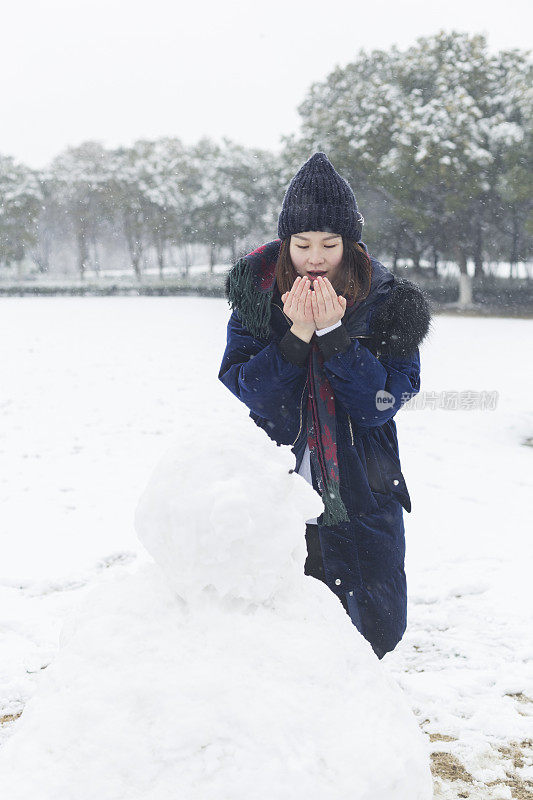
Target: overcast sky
(121, 70)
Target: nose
(315, 260)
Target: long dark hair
(353, 277)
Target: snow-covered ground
(96, 389)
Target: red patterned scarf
(323, 448)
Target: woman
(323, 364)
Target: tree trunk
(435, 262)
(160, 260)
(83, 255)
(514, 244)
(396, 253)
(212, 258)
(416, 263)
(465, 282)
(96, 259)
(478, 251)
(187, 259)
(136, 252)
(136, 264)
(159, 246)
(41, 256)
(135, 249)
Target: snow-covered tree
(155, 188)
(79, 183)
(235, 202)
(429, 130)
(20, 204)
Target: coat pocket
(385, 476)
(397, 488)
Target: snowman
(216, 670)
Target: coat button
(396, 482)
(338, 581)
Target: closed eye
(304, 247)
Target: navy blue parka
(376, 349)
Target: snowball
(222, 511)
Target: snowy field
(96, 390)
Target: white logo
(384, 400)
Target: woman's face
(316, 252)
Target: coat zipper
(361, 336)
(301, 404)
(289, 320)
(351, 431)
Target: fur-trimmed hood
(396, 314)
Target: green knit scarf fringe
(253, 306)
(334, 508)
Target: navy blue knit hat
(318, 199)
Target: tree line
(436, 142)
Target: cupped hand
(297, 305)
(328, 307)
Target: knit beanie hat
(318, 199)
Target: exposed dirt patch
(518, 753)
(441, 737)
(520, 790)
(520, 696)
(451, 776)
(449, 768)
(9, 718)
